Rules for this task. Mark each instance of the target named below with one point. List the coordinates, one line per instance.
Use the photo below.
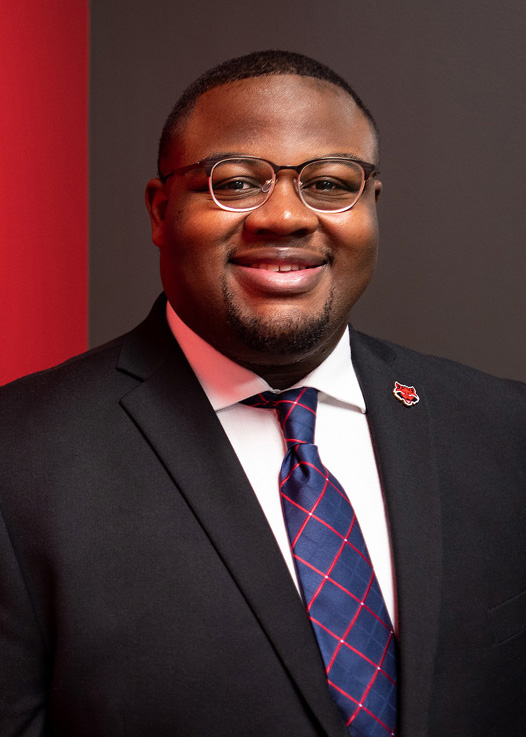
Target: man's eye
(324, 185)
(236, 185)
(332, 186)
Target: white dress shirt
(342, 436)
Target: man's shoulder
(70, 376)
(68, 404)
(106, 368)
(444, 382)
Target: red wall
(43, 183)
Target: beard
(286, 335)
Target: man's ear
(377, 189)
(156, 202)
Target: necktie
(340, 590)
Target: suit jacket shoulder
(452, 389)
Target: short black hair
(255, 64)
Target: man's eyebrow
(343, 155)
(217, 156)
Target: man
(147, 583)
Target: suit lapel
(176, 418)
(405, 456)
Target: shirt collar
(226, 382)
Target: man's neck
(283, 376)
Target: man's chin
(285, 335)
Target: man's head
(246, 67)
(270, 287)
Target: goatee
(287, 335)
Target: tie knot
(296, 411)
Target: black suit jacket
(142, 592)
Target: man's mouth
(278, 271)
(279, 267)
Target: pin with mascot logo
(406, 394)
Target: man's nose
(283, 214)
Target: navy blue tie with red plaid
(340, 590)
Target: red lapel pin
(406, 394)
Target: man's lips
(278, 267)
(278, 271)
(280, 256)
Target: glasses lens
(241, 183)
(331, 184)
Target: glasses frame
(210, 164)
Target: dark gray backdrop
(446, 82)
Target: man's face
(273, 286)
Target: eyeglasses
(241, 184)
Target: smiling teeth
(280, 267)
